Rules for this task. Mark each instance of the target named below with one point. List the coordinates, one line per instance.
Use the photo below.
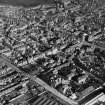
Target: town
(53, 54)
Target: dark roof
(45, 100)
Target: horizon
(25, 3)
